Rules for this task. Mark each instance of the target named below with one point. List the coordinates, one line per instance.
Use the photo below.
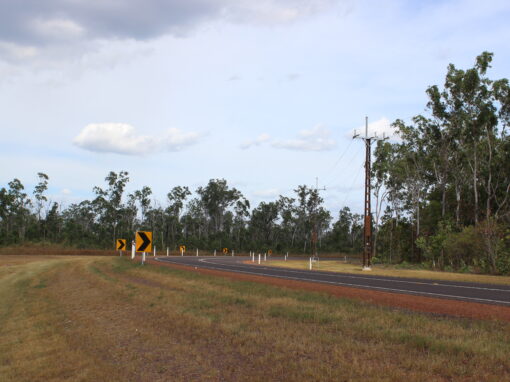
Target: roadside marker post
(132, 250)
(233, 253)
(143, 258)
(259, 258)
(310, 263)
(154, 251)
(167, 251)
(214, 252)
(265, 257)
(197, 251)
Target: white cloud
(120, 138)
(58, 28)
(317, 138)
(381, 127)
(66, 191)
(262, 138)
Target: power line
(328, 173)
(347, 165)
(352, 185)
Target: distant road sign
(225, 250)
(270, 252)
(121, 244)
(182, 248)
(143, 241)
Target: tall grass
(111, 319)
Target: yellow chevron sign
(121, 244)
(143, 241)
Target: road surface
(463, 291)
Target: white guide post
(233, 252)
(132, 251)
(167, 251)
(310, 263)
(197, 251)
(214, 252)
(265, 257)
(143, 258)
(154, 254)
(182, 252)
(259, 258)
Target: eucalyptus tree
(176, 199)
(108, 202)
(216, 199)
(466, 106)
(263, 224)
(144, 201)
(288, 221)
(241, 217)
(40, 199)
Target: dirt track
(414, 303)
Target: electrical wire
(355, 156)
(328, 173)
(352, 185)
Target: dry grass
(389, 270)
(86, 318)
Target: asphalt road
(471, 292)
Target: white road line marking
(354, 285)
(373, 278)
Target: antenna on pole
(367, 232)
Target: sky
(265, 94)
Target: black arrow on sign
(146, 242)
(121, 244)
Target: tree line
(443, 190)
(213, 217)
(441, 196)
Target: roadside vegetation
(106, 318)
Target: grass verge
(86, 318)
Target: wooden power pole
(367, 231)
(315, 222)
